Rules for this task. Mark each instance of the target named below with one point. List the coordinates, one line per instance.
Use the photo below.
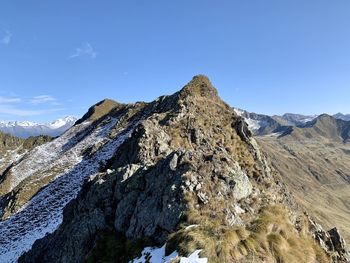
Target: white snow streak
(157, 255)
(154, 255)
(253, 125)
(194, 258)
(43, 213)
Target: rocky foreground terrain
(180, 179)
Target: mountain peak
(65, 121)
(99, 110)
(199, 86)
(325, 117)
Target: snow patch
(157, 255)
(254, 125)
(154, 255)
(194, 258)
(274, 135)
(239, 112)
(238, 209)
(191, 226)
(308, 119)
(69, 120)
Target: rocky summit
(180, 179)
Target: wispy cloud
(15, 107)
(42, 99)
(85, 50)
(6, 37)
(9, 100)
(14, 111)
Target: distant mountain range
(312, 154)
(25, 129)
(341, 116)
(261, 124)
(314, 158)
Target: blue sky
(59, 57)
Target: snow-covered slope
(25, 129)
(43, 213)
(296, 119)
(259, 124)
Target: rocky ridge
(189, 174)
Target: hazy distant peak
(341, 116)
(25, 129)
(62, 122)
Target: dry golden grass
(217, 241)
(99, 110)
(271, 238)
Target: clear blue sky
(59, 57)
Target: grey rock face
(242, 186)
(242, 129)
(339, 244)
(83, 218)
(147, 205)
(331, 241)
(174, 162)
(337, 240)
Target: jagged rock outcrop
(331, 241)
(190, 175)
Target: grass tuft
(270, 238)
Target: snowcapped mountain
(258, 123)
(261, 124)
(293, 119)
(341, 116)
(25, 129)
